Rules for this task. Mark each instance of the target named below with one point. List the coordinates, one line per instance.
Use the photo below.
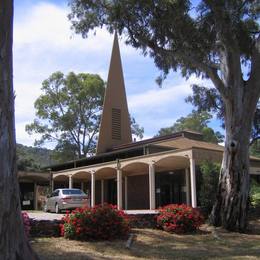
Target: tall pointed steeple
(115, 127)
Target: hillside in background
(33, 158)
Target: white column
(187, 182)
(125, 192)
(102, 192)
(193, 183)
(82, 186)
(119, 188)
(92, 189)
(152, 186)
(52, 185)
(51, 181)
(70, 182)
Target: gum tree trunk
(13, 241)
(231, 206)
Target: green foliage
(255, 148)
(176, 34)
(209, 184)
(33, 158)
(68, 113)
(209, 100)
(99, 223)
(179, 219)
(197, 122)
(136, 129)
(255, 193)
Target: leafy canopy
(197, 122)
(176, 34)
(68, 113)
(209, 100)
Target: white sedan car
(65, 199)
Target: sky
(44, 43)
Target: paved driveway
(38, 215)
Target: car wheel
(57, 209)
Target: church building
(141, 175)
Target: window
(72, 192)
(55, 193)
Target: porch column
(52, 184)
(92, 189)
(102, 192)
(193, 183)
(119, 188)
(125, 192)
(187, 181)
(70, 182)
(51, 181)
(152, 185)
(82, 186)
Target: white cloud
(46, 25)
(159, 97)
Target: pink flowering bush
(99, 223)
(26, 223)
(179, 219)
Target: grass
(157, 244)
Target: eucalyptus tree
(68, 113)
(213, 39)
(13, 242)
(196, 121)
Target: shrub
(209, 184)
(255, 194)
(26, 223)
(176, 218)
(100, 222)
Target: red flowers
(100, 222)
(176, 218)
(26, 223)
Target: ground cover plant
(179, 219)
(99, 223)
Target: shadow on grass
(154, 244)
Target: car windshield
(72, 192)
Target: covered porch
(141, 183)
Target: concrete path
(38, 215)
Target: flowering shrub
(100, 222)
(176, 218)
(26, 223)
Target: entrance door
(169, 188)
(166, 194)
